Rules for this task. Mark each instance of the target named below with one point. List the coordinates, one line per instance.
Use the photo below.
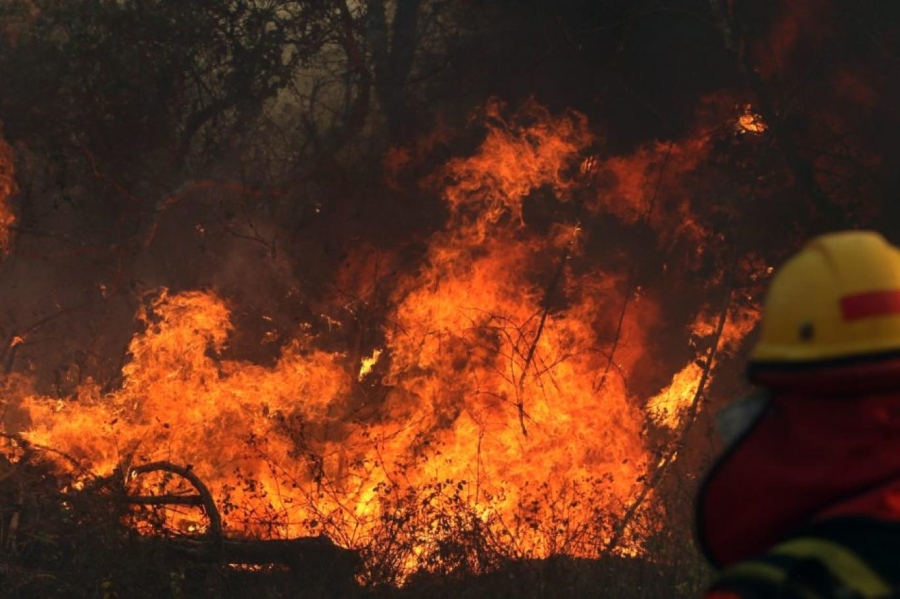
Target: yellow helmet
(837, 298)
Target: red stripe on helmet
(873, 303)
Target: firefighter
(805, 501)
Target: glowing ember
(750, 122)
(504, 410)
(7, 189)
(368, 363)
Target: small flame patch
(368, 363)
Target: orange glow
(669, 407)
(503, 377)
(750, 122)
(7, 189)
(516, 158)
(365, 367)
(647, 185)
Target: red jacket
(827, 448)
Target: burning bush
(494, 417)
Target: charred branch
(16, 339)
(203, 498)
(666, 459)
(631, 285)
(546, 305)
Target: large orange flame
(500, 396)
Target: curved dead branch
(203, 498)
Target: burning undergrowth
(502, 408)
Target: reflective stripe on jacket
(850, 558)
